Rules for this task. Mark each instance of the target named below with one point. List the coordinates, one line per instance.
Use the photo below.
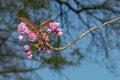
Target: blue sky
(88, 71)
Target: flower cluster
(37, 38)
(54, 28)
(23, 30)
(28, 52)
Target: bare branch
(84, 34)
(84, 8)
(15, 70)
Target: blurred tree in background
(75, 16)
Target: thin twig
(84, 34)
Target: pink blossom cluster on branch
(37, 37)
(43, 36)
(54, 28)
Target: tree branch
(85, 8)
(84, 34)
(15, 70)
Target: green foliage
(22, 13)
(56, 62)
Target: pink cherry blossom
(48, 51)
(26, 47)
(32, 37)
(40, 49)
(20, 37)
(22, 28)
(49, 30)
(60, 33)
(55, 32)
(27, 31)
(54, 26)
(29, 56)
(28, 52)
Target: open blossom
(32, 37)
(27, 31)
(20, 37)
(26, 48)
(54, 25)
(22, 28)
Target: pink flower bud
(21, 27)
(32, 37)
(54, 26)
(60, 33)
(27, 31)
(49, 30)
(55, 32)
(40, 49)
(20, 37)
(48, 51)
(26, 48)
(29, 56)
(59, 29)
(29, 52)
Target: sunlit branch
(84, 34)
